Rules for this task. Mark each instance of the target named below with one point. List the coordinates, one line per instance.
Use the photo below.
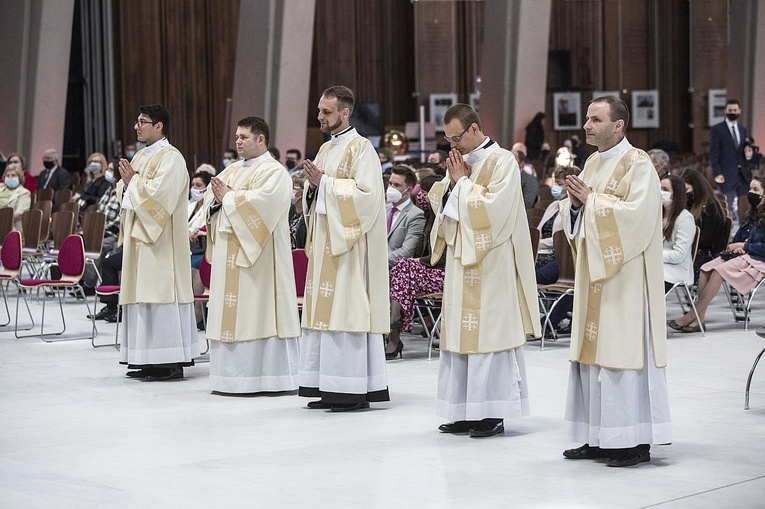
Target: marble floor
(75, 432)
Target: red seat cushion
(49, 282)
(108, 289)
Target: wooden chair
(60, 228)
(544, 193)
(534, 216)
(11, 257)
(6, 221)
(74, 208)
(45, 194)
(554, 293)
(535, 235)
(46, 206)
(542, 204)
(60, 197)
(93, 229)
(31, 223)
(76, 182)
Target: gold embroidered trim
(230, 292)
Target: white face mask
(197, 194)
(94, 167)
(556, 191)
(666, 198)
(295, 198)
(393, 195)
(226, 162)
(129, 154)
(109, 176)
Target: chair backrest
(93, 226)
(74, 207)
(31, 223)
(71, 257)
(534, 216)
(10, 252)
(91, 208)
(542, 204)
(76, 182)
(300, 265)
(565, 258)
(47, 208)
(544, 193)
(535, 235)
(45, 194)
(204, 272)
(62, 196)
(6, 221)
(695, 247)
(61, 226)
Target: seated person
(95, 184)
(679, 230)
(13, 194)
(296, 216)
(30, 182)
(197, 230)
(405, 220)
(742, 272)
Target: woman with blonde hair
(13, 193)
(95, 184)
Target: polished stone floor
(74, 432)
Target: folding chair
(6, 221)
(71, 262)
(687, 286)
(564, 286)
(430, 302)
(761, 333)
(45, 194)
(93, 228)
(10, 254)
(102, 291)
(204, 274)
(74, 208)
(31, 223)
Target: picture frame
(645, 109)
(439, 103)
(567, 108)
(716, 105)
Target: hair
(258, 126)
(157, 113)
(21, 158)
(660, 156)
(233, 151)
(565, 171)
(344, 96)
(295, 151)
(388, 153)
(703, 194)
(207, 168)
(427, 183)
(442, 155)
(275, 153)
(18, 171)
(757, 214)
(733, 101)
(53, 152)
(203, 176)
(298, 178)
(678, 204)
(410, 179)
(424, 172)
(466, 115)
(115, 170)
(617, 109)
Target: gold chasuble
(617, 244)
(252, 285)
(154, 232)
(490, 290)
(346, 288)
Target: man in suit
(405, 221)
(53, 176)
(726, 156)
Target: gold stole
(344, 187)
(611, 252)
(482, 240)
(259, 231)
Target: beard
(330, 128)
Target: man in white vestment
(617, 393)
(490, 291)
(159, 332)
(346, 306)
(253, 316)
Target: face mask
(49, 164)
(393, 195)
(556, 191)
(290, 164)
(689, 199)
(129, 154)
(732, 116)
(754, 199)
(94, 167)
(109, 176)
(226, 162)
(197, 194)
(12, 182)
(295, 197)
(666, 198)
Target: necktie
(390, 217)
(735, 134)
(49, 174)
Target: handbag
(728, 255)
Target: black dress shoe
(488, 428)
(113, 316)
(162, 375)
(629, 457)
(674, 325)
(457, 427)
(141, 373)
(586, 452)
(350, 407)
(101, 315)
(319, 405)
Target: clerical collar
(347, 129)
(344, 136)
(247, 163)
(485, 148)
(156, 146)
(617, 150)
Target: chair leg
(695, 312)
(204, 322)
(749, 379)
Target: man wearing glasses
(489, 302)
(159, 333)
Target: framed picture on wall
(439, 103)
(645, 109)
(567, 109)
(717, 98)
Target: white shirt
(475, 155)
(399, 209)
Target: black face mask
(49, 164)
(290, 164)
(754, 199)
(689, 199)
(545, 153)
(732, 116)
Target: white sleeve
(451, 208)
(321, 207)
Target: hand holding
(313, 173)
(720, 179)
(457, 167)
(578, 191)
(219, 189)
(126, 171)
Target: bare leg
(713, 282)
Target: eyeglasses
(141, 122)
(456, 139)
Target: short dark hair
(295, 151)
(157, 113)
(617, 109)
(410, 179)
(257, 125)
(204, 176)
(275, 153)
(427, 182)
(733, 101)
(464, 113)
(232, 150)
(344, 96)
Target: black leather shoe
(349, 408)
(457, 427)
(113, 316)
(101, 315)
(629, 457)
(488, 429)
(141, 373)
(319, 405)
(674, 325)
(162, 375)
(586, 452)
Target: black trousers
(110, 275)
